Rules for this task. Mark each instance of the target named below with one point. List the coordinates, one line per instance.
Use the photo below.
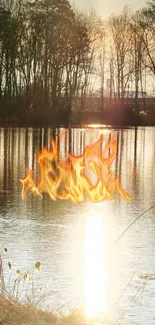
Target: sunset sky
(105, 8)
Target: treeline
(53, 56)
(44, 53)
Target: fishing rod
(131, 224)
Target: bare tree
(119, 26)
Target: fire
(78, 177)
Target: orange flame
(71, 179)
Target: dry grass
(14, 313)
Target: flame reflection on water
(95, 268)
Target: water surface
(74, 242)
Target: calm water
(74, 242)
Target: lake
(81, 265)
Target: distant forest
(52, 55)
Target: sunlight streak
(95, 269)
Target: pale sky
(105, 8)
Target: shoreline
(70, 125)
(75, 122)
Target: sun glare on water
(95, 268)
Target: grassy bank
(12, 310)
(14, 313)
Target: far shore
(74, 119)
